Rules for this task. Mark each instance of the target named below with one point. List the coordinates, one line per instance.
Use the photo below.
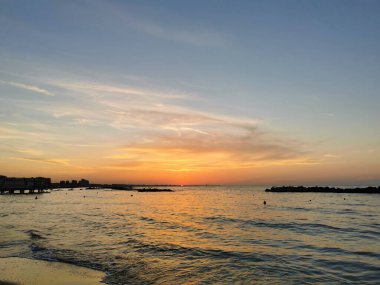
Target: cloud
(199, 38)
(218, 148)
(86, 122)
(29, 151)
(90, 87)
(105, 103)
(64, 162)
(146, 129)
(167, 119)
(14, 133)
(331, 155)
(28, 87)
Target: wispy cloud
(7, 132)
(64, 162)
(332, 155)
(91, 87)
(150, 130)
(227, 148)
(28, 87)
(198, 38)
(29, 151)
(166, 119)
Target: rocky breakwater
(322, 189)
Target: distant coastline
(321, 189)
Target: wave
(118, 270)
(169, 249)
(162, 224)
(34, 235)
(337, 251)
(308, 228)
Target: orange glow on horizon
(184, 167)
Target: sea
(199, 234)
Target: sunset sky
(191, 92)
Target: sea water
(200, 235)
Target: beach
(22, 271)
(196, 235)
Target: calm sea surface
(200, 235)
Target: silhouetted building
(41, 182)
(83, 183)
(2, 180)
(74, 183)
(15, 183)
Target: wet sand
(22, 271)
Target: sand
(22, 271)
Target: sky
(191, 92)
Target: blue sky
(271, 86)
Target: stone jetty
(321, 189)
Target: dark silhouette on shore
(153, 190)
(321, 189)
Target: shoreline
(17, 271)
